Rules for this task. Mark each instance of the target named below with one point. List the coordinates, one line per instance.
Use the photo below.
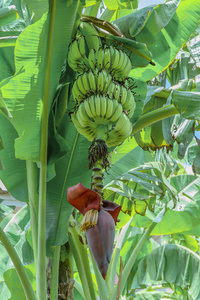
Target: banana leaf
(173, 264)
(170, 39)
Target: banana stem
(32, 180)
(41, 261)
(55, 273)
(153, 117)
(97, 179)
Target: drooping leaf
(38, 7)
(4, 211)
(187, 103)
(7, 15)
(14, 284)
(15, 182)
(25, 101)
(170, 39)
(16, 231)
(184, 218)
(174, 264)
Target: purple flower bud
(100, 239)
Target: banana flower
(100, 231)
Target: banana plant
(39, 73)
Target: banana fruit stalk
(104, 106)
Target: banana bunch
(77, 59)
(99, 116)
(100, 82)
(114, 61)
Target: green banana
(100, 58)
(88, 109)
(109, 108)
(116, 111)
(91, 101)
(115, 60)
(92, 59)
(107, 59)
(103, 106)
(92, 81)
(101, 81)
(91, 35)
(123, 95)
(77, 94)
(81, 46)
(98, 105)
(85, 82)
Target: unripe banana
(122, 61)
(123, 125)
(81, 46)
(77, 94)
(101, 81)
(109, 108)
(74, 52)
(107, 79)
(82, 116)
(127, 68)
(123, 95)
(75, 65)
(91, 101)
(91, 35)
(103, 106)
(87, 132)
(92, 81)
(98, 105)
(85, 82)
(117, 112)
(117, 92)
(88, 109)
(115, 60)
(111, 89)
(107, 59)
(100, 58)
(92, 59)
(130, 101)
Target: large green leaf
(133, 23)
(38, 7)
(173, 264)
(16, 231)
(170, 39)
(184, 218)
(25, 101)
(157, 20)
(14, 173)
(7, 15)
(14, 284)
(187, 103)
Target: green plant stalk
(154, 116)
(41, 262)
(55, 273)
(29, 292)
(132, 259)
(32, 181)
